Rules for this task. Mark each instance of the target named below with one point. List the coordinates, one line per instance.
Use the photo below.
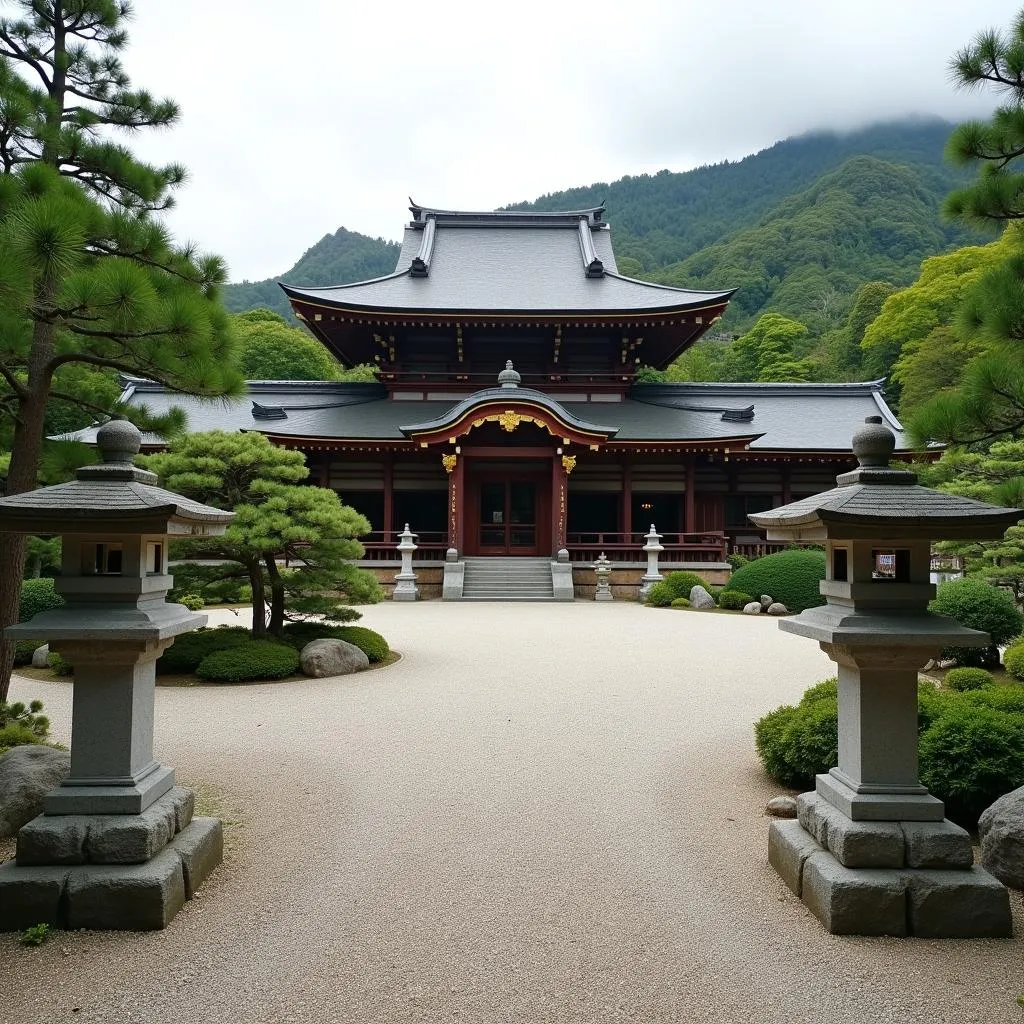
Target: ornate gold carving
(568, 463)
(509, 420)
(449, 461)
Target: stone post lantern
(871, 852)
(653, 547)
(405, 581)
(603, 570)
(116, 846)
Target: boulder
(701, 598)
(327, 657)
(41, 657)
(777, 608)
(781, 807)
(1001, 831)
(754, 608)
(27, 774)
(766, 602)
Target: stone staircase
(508, 579)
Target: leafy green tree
(277, 519)
(766, 352)
(270, 349)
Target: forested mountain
(340, 258)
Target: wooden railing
(628, 547)
(755, 549)
(381, 546)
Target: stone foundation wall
(428, 579)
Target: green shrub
(797, 743)
(680, 584)
(1008, 699)
(734, 600)
(189, 649)
(1013, 661)
(245, 594)
(681, 602)
(252, 661)
(716, 592)
(969, 678)
(193, 602)
(791, 577)
(37, 596)
(21, 724)
(970, 756)
(24, 649)
(60, 665)
(659, 596)
(36, 935)
(978, 605)
(371, 643)
(737, 561)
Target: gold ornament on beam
(449, 462)
(509, 420)
(568, 463)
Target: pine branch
(19, 54)
(15, 385)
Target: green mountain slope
(866, 221)
(340, 258)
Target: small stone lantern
(653, 547)
(871, 852)
(405, 581)
(603, 570)
(116, 846)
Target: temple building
(507, 421)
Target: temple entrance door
(507, 523)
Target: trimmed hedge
(681, 602)
(970, 743)
(978, 605)
(371, 643)
(734, 600)
(968, 679)
(39, 595)
(189, 649)
(1013, 661)
(24, 649)
(193, 602)
(680, 584)
(659, 596)
(252, 661)
(791, 577)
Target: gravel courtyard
(542, 813)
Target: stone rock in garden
(777, 608)
(327, 657)
(700, 598)
(41, 656)
(27, 774)
(754, 608)
(766, 602)
(1001, 830)
(781, 807)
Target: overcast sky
(302, 117)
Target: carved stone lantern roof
(877, 500)
(113, 496)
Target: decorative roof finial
(874, 443)
(118, 441)
(508, 378)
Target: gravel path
(543, 813)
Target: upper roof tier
(505, 266)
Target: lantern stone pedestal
(871, 852)
(117, 846)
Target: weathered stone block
(816, 824)
(862, 844)
(936, 844)
(201, 848)
(131, 838)
(49, 839)
(30, 896)
(789, 846)
(854, 901)
(1001, 829)
(184, 803)
(958, 905)
(134, 897)
(27, 774)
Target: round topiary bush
(252, 661)
(791, 577)
(1013, 661)
(37, 596)
(24, 649)
(59, 664)
(978, 605)
(797, 743)
(681, 602)
(659, 596)
(680, 584)
(733, 600)
(189, 649)
(968, 679)
(371, 643)
(193, 602)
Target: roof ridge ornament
(592, 266)
(509, 378)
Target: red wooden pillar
(456, 468)
(389, 498)
(559, 501)
(627, 500)
(690, 497)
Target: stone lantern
(405, 581)
(871, 852)
(603, 572)
(116, 846)
(652, 548)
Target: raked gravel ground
(543, 813)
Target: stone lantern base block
(603, 595)
(920, 806)
(405, 589)
(69, 798)
(928, 903)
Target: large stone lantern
(871, 851)
(116, 846)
